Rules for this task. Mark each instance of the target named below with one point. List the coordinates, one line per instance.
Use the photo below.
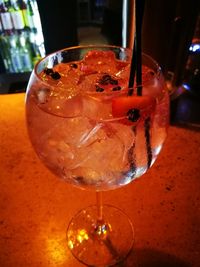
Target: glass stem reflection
(101, 228)
(99, 206)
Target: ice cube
(59, 105)
(43, 95)
(93, 57)
(96, 108)
(123, 72)
(101, 61)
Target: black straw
(136, 62)
(136, 68)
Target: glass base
(100, 242)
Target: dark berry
(99, 89)
(48, 71)
(74, 65)
(55, 75)
(117, 88)
(133, 114)
(113, 82)
(105, 79)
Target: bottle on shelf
(5, 13)
(4, 49)
(21, 36)
(14, 53)
(25, 52)
(24, 9)
(17, 15)
(35, 49)
(7, 30)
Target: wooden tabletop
(36, 206)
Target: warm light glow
(13, 99)
(77, 237)
(56, 251)
(70, 244)
(82, 235)
(53, 242)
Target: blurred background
(30, 29)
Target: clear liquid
(90, 148)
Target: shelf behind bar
(13, 82)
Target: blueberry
(99, 89)
(113, 81)
(55, 75)
(105, 79)
(133, 114)
(117, 88)
(48, 71)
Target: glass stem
(99, 206)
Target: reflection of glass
(87, 131)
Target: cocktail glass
(88, 129)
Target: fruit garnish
(132, 108)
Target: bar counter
(36, 206)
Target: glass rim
(157, 70)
